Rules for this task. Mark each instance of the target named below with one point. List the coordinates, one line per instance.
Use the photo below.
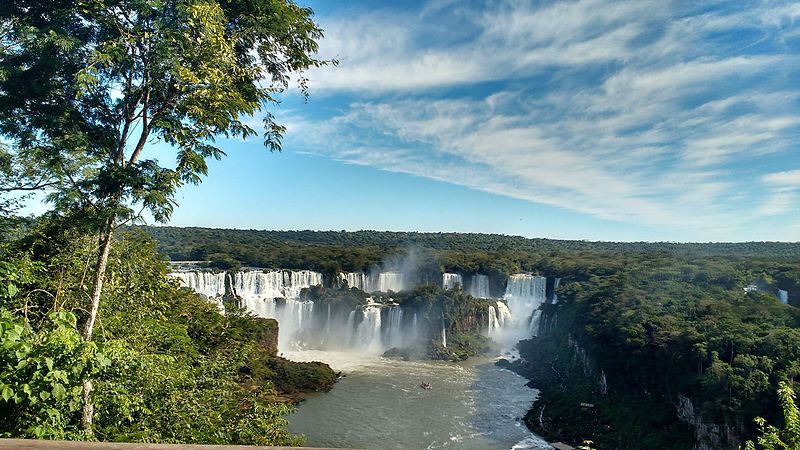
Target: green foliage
(109, 76)
(41, 373)
(165, 365)
(772, 438)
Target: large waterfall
(258, 291)
(371, 328)
(517, 317)
(452, 280)
(479, 286)
(524, 294)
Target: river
(380, 405)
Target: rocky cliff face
(708, 436)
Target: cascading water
(783, 296)
(355, 280)
(452, 280)
(414, 329)
(211, 285)
(493, 323)
(444, 334)
(259, 289)
(518, 317)
(394, 334)
(556, 284)
(368, 333)
(388, 281)
(499, 316)
(479, 286)
(205, 283)
(503, 314)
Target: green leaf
(44, 395)
(59, 392)
(6, 392)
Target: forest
(166, 366)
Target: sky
(589, 119)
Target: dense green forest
(166, 365)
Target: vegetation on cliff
(166, 365)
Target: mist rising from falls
(452, 280)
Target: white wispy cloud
(638, 111)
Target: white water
(518, 317)
(394, 332)
(783, 296)
(368, 333)
(388, 281)
(206, 283)
(452, 280)
(479, 286)
(211, 285)
(556, 284)
(356, 280)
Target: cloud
(788, 178)
(643, 112)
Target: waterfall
(355, 280)
(414, 329)
(368, 332)
(259, 289)
(556, 284)
(350, 330)
(394, 335)
(388, 281)
(328, 322)
(211, 285)
(206, 283)
(525, 293)
(451, 280)
(493, 323)
(503, 314)
(783, 296)
(499, 316)
(479, 286)
(444, 334)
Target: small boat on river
(425, 385)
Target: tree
(85, 85)
(789, 437)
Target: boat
(425, 385)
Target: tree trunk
(88, 330)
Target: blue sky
(590, 119)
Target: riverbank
(572, 406)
